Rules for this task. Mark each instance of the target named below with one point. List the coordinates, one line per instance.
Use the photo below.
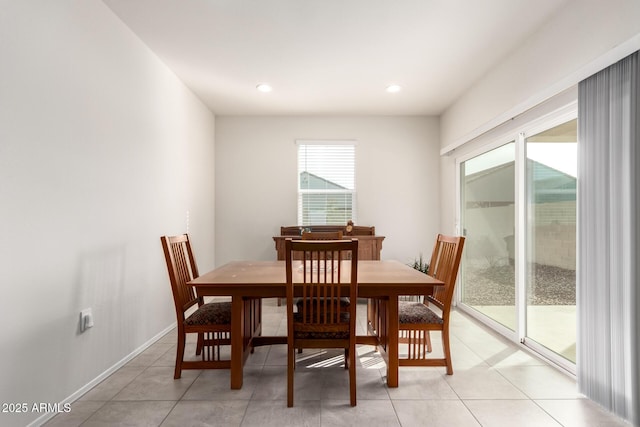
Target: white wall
(397, 170)
(102, 150)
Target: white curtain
(608, 298)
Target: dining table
(247, 282)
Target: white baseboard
(97, 380)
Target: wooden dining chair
(321, 278)
(325, 235)
(211, 321)
(417, 319)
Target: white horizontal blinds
(326, 182)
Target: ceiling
(332, 57)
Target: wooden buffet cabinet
(369, 245)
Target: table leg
(237, 341)
(373, 319)
(392, 340)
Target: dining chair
(417, 319)
(324, 235)
(211, 321)
(321, 278)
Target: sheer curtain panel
(608, 237)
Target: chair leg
(200, 343)
(291, 357)
(179, 354)
(447, 351)
(352, 377)
(427, 337)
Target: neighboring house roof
(310, 181)
(552, 185)
(494, 186)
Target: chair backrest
(319, 279)
(445, 261)
(322, 235)
(182, 268)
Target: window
(326, 182)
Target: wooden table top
(375, 278)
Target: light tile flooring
(494, 384)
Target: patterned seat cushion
(344, 318)
(213, 313)
(417, 312)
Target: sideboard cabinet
(369, 245)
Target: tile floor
(494, 384)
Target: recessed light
(263, 87)
(393, 88)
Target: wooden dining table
(246, 282)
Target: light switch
(86, 319)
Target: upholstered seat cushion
(417, 312)
(213, 313)
(344, 319)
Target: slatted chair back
(317, 235)
(182, 268)
(445, 261)
(323, 278)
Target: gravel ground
(495, 286)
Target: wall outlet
(86, 319)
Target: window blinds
(326, 182)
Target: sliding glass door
(488, 219)
(551, 239)
(518, 213)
